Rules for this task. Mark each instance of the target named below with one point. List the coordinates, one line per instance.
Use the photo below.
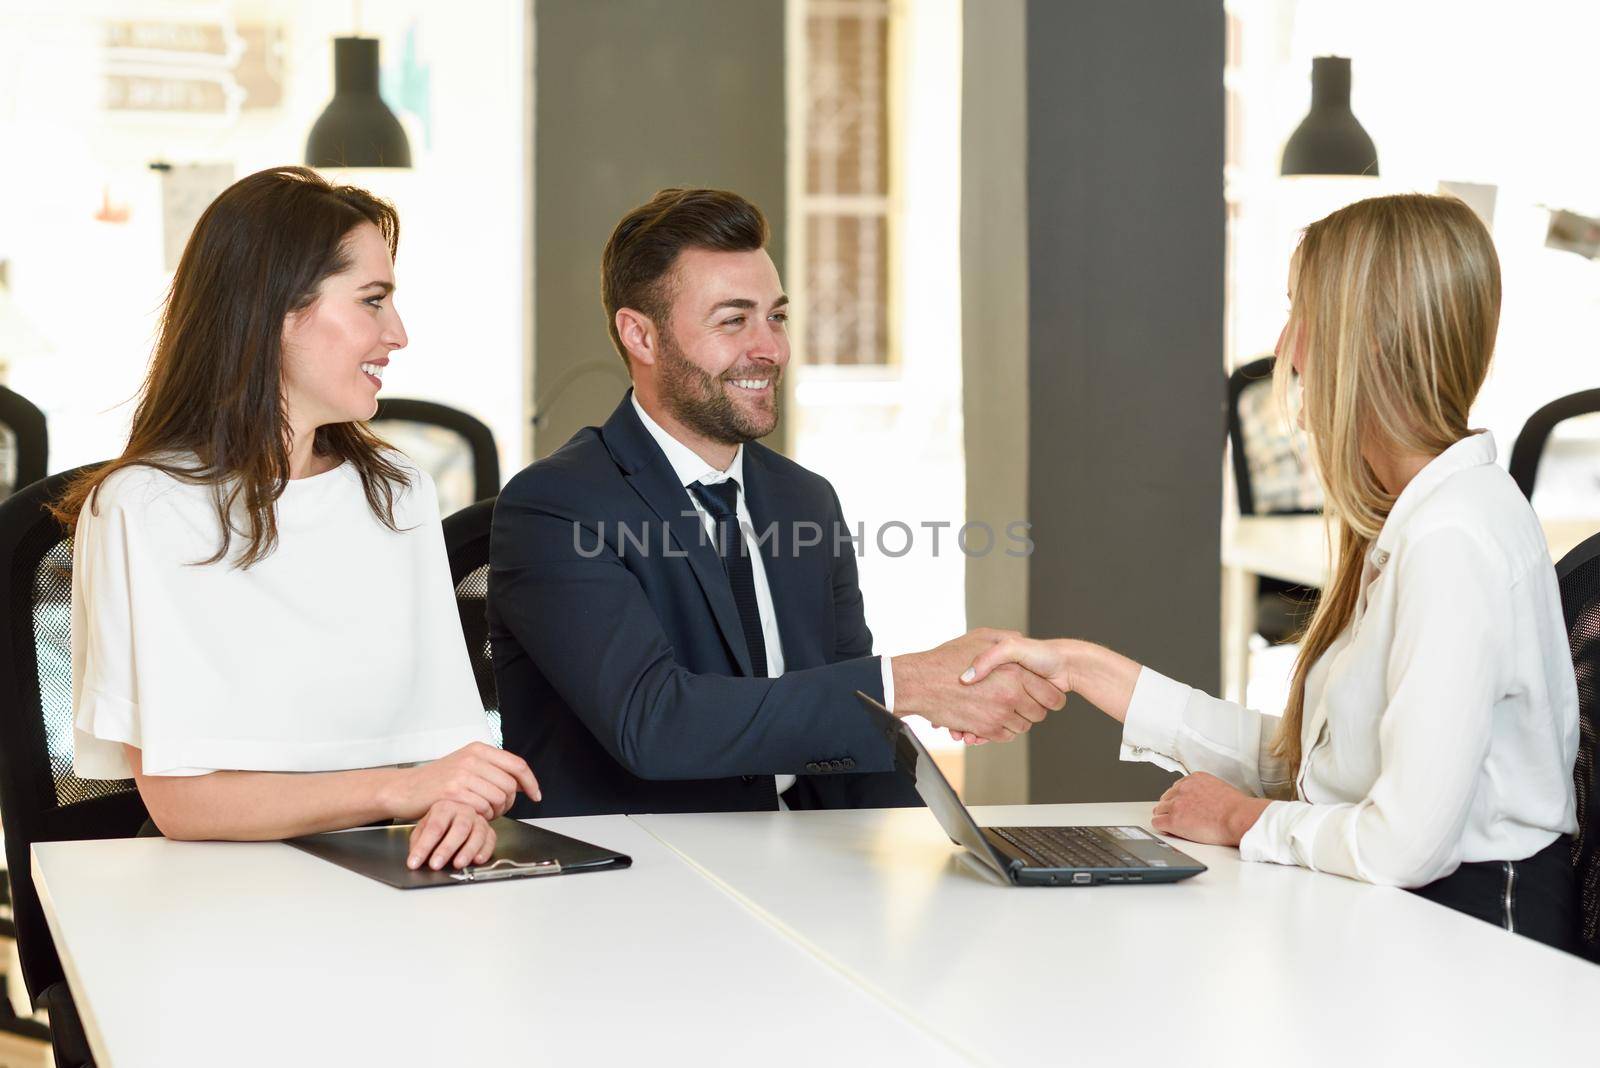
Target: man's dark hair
(636, 267)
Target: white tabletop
(258, 954)
(1246, 963)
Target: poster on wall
(194, 66)
(1571, 232)
(186, 189)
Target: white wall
(994, 300)
(93, 289)
(1469, 91)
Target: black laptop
(1034, 856)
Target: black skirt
(1536, 897)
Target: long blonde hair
(1395, 308)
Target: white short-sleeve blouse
(342, 649)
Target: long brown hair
(1396, 306)
(211, 409)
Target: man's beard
(698, 400)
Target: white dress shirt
(342, 649)
(691, 468)
(1440, 727)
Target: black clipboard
(521, 851)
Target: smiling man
(673, 607)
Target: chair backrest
(41, 800)
(456, 449)
(466, 542)
(1535, 434)
(24, 443)
(1578, 574)
(1269, 471)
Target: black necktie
(721, 500)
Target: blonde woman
(1432, 723)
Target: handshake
(985, 686)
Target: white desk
(257, 954)
(1295, 548)
(1244, 964)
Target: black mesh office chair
(41, 800)
(1282, 607)
(455, 449)
(1579, 576)
(466, 542)
(24, 443)
(1535, 434)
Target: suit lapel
(652, 478)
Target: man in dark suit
(673, 607)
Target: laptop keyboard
(1068, 847)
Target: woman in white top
(1432, 724)
(264, 630)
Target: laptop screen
(913, 759)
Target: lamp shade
(1329, 140)
(357, 129)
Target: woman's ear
(294, 323)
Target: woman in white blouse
(264, 630)
(1432, 724)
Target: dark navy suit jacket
(623, 674)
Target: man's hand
(1203, 808)
(1005, 704)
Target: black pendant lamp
(357, 129)
(1329, 140)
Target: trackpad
(1142, 844)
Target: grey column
(1125, 320)
(631, 96)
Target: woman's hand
(479, 776)
(1203, 808)
(1046, 659)
(1103, 678)
(450, 833)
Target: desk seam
(805, 944)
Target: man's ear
(638, 335)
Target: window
(844, 204)
(875, 401)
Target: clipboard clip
(506, 868)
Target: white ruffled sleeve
(105, 687)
